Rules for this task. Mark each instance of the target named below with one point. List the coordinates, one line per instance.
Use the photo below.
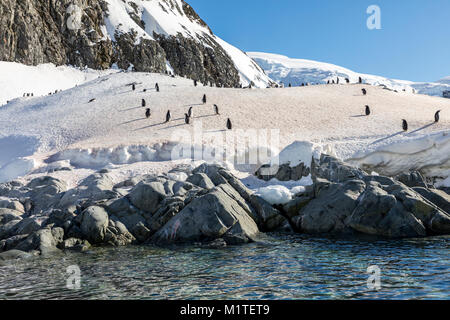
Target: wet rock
(201, 180)
(14, 255)
(438, 197)
(41, 240)
(94, 222)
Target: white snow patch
(275, 194)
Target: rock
(438, 197)
(201, 180)
(7, 215)
(209, 217)
(45, 192)
(94, 222)
(92, 190)
(117, 233)
(11, 204)
(212, 171)
(412, 179)
(75, 245)
(12, 242)
(334, 170)
(327, 212)
(267, 217)
(284, 172)
(41, 240)
(147, 196)
(14, 255)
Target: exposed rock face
(35, 32)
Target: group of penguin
(404, 122)
(188, 115)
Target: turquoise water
(280, 267)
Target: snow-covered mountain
(297, 71)
(148, 36)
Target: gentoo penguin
(92, 100)
(143, 103)
(157, 87)
(360, 80)
(347, 80)
(168, 116)
(204, 99)
(337, 81)
(190, 112)
(195, 82)
(148, 113)
(133, 87)
(229, 125)
(364, 91)
(436, 116)
(187, 119)
(216, 109)
(405, 125)
(367, 111)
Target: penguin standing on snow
(157, 87)
(195, 82)
(148, 113)
(404, 125)
(204, 99)
(360, 80)
(187, 119)
(216, 109)
(436, 116)
(190, 112)
(337, 81)
(347, 80)
(367, 111)
(229, 125)
(168, 116)
(364, 91)
(144, 103)
(133, 87)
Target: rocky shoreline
(212, 207)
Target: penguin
(290, 86)
(367, 111)
(190, 112)
(328, 82)
(404, 125)
(360, 80)
(195, 82)
(333, 82)
(303, 84)
(229, 125)
(347, 80)
(148, 113)
(204, 99)
(133, 87)
(364, 91)
(216, 109)
(92, 100)
(337, 81)
(143, 103)
(436, 116)
(187, 119)
(168, 116)
(145, 90)
(157, 87)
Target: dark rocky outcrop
(35, 32)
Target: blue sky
(413, 44)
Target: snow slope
(168, 18)
(297, 71)
(17, 79)
(68, 129)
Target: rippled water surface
(280, 267)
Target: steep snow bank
(429, 154)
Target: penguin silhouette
(347, 80)
(204, 99)
(337, 81)
(195, 82)
(157, 87)
(436, 116)
(360, 80)
(133, 87)
(148, 113)
(190, 112)
(404, 125)
(364, 91)
(144, 103)
(216, 109)
(168, 116)
(187, 119)
(367, 111)
(229, 125)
